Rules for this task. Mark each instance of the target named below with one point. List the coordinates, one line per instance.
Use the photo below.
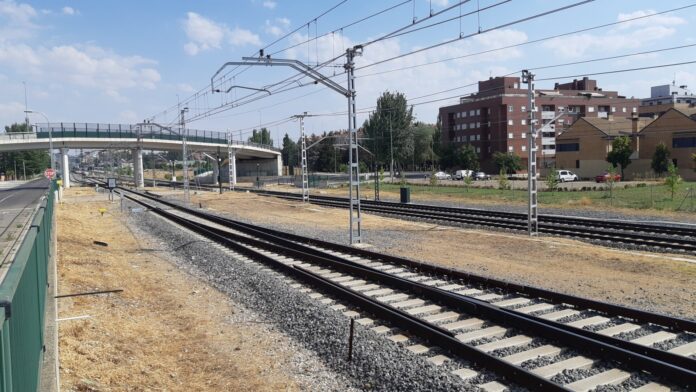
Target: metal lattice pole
(187, 195)
(305, 180)
(355, 218)
(230, 154)
(532, 211)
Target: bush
(641, 185)
(433, 179)
(503, 182)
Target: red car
(604, 177)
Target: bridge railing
(23, 304)
(135, 131)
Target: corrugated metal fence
(22, 305)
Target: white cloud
(630, 35)
(269, 4)
(69, 11)
(205, 34)
(84, 66)
(185, 88)
(278, 27)
(17, 13)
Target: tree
(390, 125)
(34, 161)
(673, 179)
(289, 152)
(468, 158)
(660, 159)
(507, 162)
(261, 137)
(423, 144)
(620, 153)
(552, 180)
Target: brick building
(584, 146)
(495, 118)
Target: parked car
(481, 176)
(442, 176)
(604, 177)
(567, 175)
(461, 174)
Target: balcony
(548, 115)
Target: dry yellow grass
(165, 331)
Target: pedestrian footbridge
(245, 158)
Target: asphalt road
(13, 200)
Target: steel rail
(656, 361)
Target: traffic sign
(49, 173)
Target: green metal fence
(22, 305)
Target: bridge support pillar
(65, 166)
(216, 172)
(233, 167)
(138, 168)
(280, 165)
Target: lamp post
(258, 180)
(50, 133)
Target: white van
(461, 174)
(567, 175)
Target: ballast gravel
(378, 364)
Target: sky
(125, 61)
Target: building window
(523, 135)
(515, 85)
(560, 108)
(684, 142)
(568, 147)
(509, 122)
(590, 109)
(478, 125)
(457, 116)
(489, 149)
(577, 163)
(510, 135)
(511, 108)
(613, 109)
(633, 110)
(524, 148)
(523, 122)
(478, 112)
(478, 149)
(623, 110)
(472, 112)
(511, 149)
(523, 109)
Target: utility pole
(231, 164)
(391, 150)
(532, 211)
(26, 108)
(261, 60)
(303, 158)
(187, 196)
(355, 218)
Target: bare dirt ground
(165, 331)
(652, 281)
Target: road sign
(49, 173)
(111, 183)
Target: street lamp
(50, 134)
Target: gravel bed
(680, 340)
(571, 375)
(378, 364)
(640, 332)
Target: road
(14, 200)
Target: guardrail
(23, 304)
(128, 131)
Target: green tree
(503, 182)
(262, 137)
(552, 180)
(611, 181)
(673, 179)
(391, 125)
(35, 162)
(620, 153)
(507, 162)
(423, 143)
(660, 159)
(468, 158)
(289, 152)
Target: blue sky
(124, 61)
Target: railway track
(638, 235)
(527, 336)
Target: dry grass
(166, 331)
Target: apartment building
(665, 97)
(495, 118)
